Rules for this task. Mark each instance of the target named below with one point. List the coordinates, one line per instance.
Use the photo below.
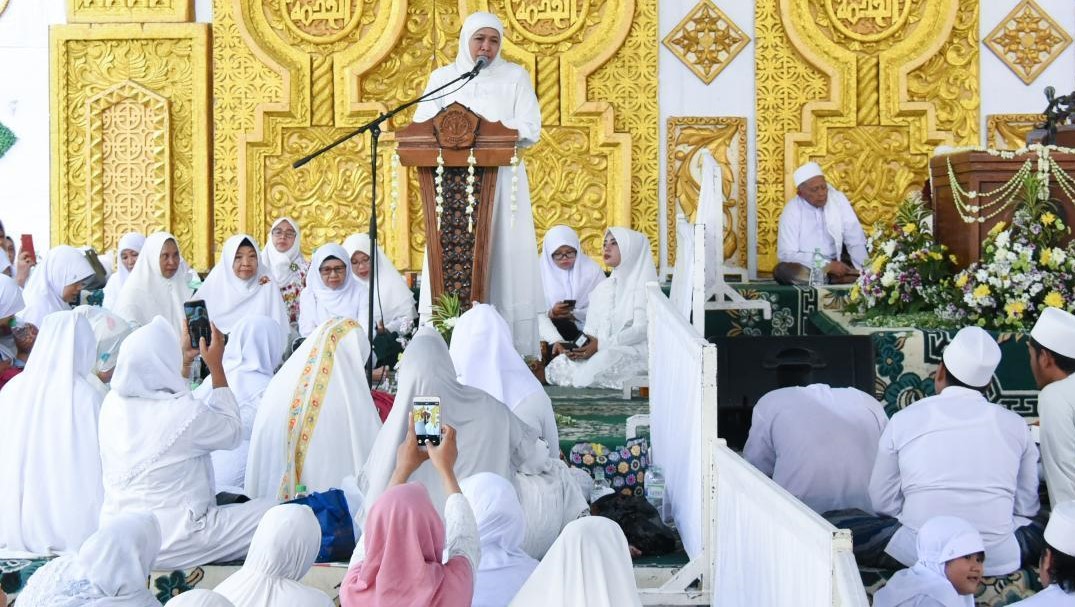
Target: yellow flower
(981, 291)
(855, 293)
(935, 255)
(1046, 256)
(1015, 309)
(879, 264)
(997, 229)
(1054, 300)
(953, 258)
(961, 280)
(1048, 218)
(910, 228)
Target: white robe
(52, 471)
(501, 92)
(1056, 408)
(393, 302)
(804, 228)
(131, 241)
(561, 285)
(316, 423)
(1053, 596)
(925, 584)
(229, 299)
(501, 524)
(62, 266)
(156, 438)
(199, 598)
(147, 293)
(617, 318)
(958, 454)
(11, 302)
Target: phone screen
(581, 341)
(197, 322)
(570, 303)
(425, 414)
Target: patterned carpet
(593, 416)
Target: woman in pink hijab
(398, 562)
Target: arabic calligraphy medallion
(547, 21)
(321, 21)
(868, 20)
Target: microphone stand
(374, 128)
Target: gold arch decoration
(1028, 40)
(1009, 131)
(726, 139)
(867, 90)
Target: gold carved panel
(726, 139)
(865, 89)
(1009, 131)
(130, 134)
(706, 41)
(1027, 40)
(129, 11)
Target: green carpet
(593, 416)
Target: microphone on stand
(479, 63)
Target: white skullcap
(972, 356)
(1055, 330)
(807, 171)
(1060, 532)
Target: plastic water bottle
(655, 489)
(601, 486)
(817, 271)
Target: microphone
(481, 62)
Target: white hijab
(285, 267)
(147, 293)
(393, 298)
(474, 22)
(576, 283)
(110, 569)
(51, 451)
(282, 551)
(200, 598)
(229, 299)
(251, 356)
(11, 301)
(131, 241)
(109, 329)
(62, 266)
(502, 528)
(589, 564)
(490, 437)
(485, 357)
(630, 277)
(941, 539)
(319, 303)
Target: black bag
(639, 521)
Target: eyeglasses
(330, 270)
(284, 233)
(563, 256)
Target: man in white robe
(1057, 568)
(958, 454)
(1052, 360)
(819, 219)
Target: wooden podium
(983, 172)
(458, 256)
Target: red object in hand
(383, 401)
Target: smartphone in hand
(570, 303)
(425, 415)
(581, 341)
(27, 246)
(197, 322)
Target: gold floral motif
(127, 11)
(1009, 131)
(706, 41)
(1027, 40)
(726, 139)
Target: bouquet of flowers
(905, 267)
(446, 313)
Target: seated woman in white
(50, 449)
(282, 551)
(948, 570)
(569, 276)
(332, 291)
(156, 438)
(130, 246)
(485, 358)
(157, 285)
(240, 287)
(282, 255)
(502, 527)
(316, 423)
(109, 331)
(393, 302)
(55, 284)
(566, 575)
(255, 349)
(616, 323)
(11, 303)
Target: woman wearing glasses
(569, 276)
(332, 291)
(282, 255)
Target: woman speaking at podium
(501, 92)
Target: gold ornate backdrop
(865, 89)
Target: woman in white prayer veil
(316, 423)
(332, 291)
(501, 526)
(569, 275)
(11, 303)
(156, 438)
(130, 246)
(283, 256)
(590, 564)
(110, 569)
(484, 358)
(157, 285)
(254, 351)
(393, 303)
(200, 598)
(240, 287)
(283, 550)
(948, 570)
(501, 92)
(51, 452)
(55, 283)
(616, 323)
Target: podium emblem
(456, 127)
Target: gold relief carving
(129, 159)
(1009, 131)
(726, 139)
(866, 94)
(706, 41)
(94, 66)
(547, 22)
(1027, 40)
(127, 11)
(320, 21)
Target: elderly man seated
(818, 221)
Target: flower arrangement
(905, 267)
(446, 313)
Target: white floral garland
(471, 161)
(393, 197)
(438, 182)
(514, 183)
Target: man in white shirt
(958, 454)
(819, 219)
(1052, 360)
(817, 442)
(1057, 567)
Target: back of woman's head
(286, 542)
